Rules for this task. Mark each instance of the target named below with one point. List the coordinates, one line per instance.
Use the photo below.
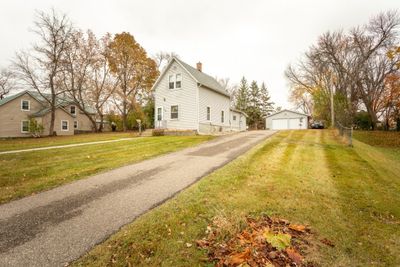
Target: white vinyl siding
(174, 112)
(185, 97)
(217, 104)
(238, 124)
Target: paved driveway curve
(57, 226)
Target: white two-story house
(188, 99)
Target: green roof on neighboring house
(60, 101)
(44, 111)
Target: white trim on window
(70, 110)
(171, 81)
(22, 105)
(177, 113)
(178, 80)
(62, 126)
(157, 113)
(22, 126)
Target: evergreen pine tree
(242, 99)
(254, 109)
(267, 106)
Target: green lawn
(348, 195)
(25, 143)
(25, 173)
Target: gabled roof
(61, 101)
(287, 110)
(200, 77)
(12, 97)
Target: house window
(208, 113)
(25, 105)
(174, 112)
(234, 117)
(24, 126)
(178, 81)
(222, 116)
(64, 125)
(72, 110)
(171, 81)
(159, 114)
(75, 124)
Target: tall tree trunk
(101, 121)
(53, 115)
(372, 115)
(124, 116)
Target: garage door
(280, 124)
(285, 124)
(294, 124)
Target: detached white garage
(287, 120)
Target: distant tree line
(354, 73)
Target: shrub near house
(17, 110)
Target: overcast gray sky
(257, 39)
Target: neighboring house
(188, 99)
(18, 109)
(286, 120)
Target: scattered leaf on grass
(297, 227)
(294, 255)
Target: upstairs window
(171, 81)
(208, 113)
(178, 81)
(25, 105)
(222, 116)
(72, 110)
(175, 81)
(174, 112)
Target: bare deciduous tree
(102, 83)
(7, 82)
(40, 67)
(162, 58)
(80, 56)
(352, 66)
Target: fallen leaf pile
(264, 241)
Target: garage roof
(287, 110)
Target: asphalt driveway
(57, 226)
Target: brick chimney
(199, 66)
